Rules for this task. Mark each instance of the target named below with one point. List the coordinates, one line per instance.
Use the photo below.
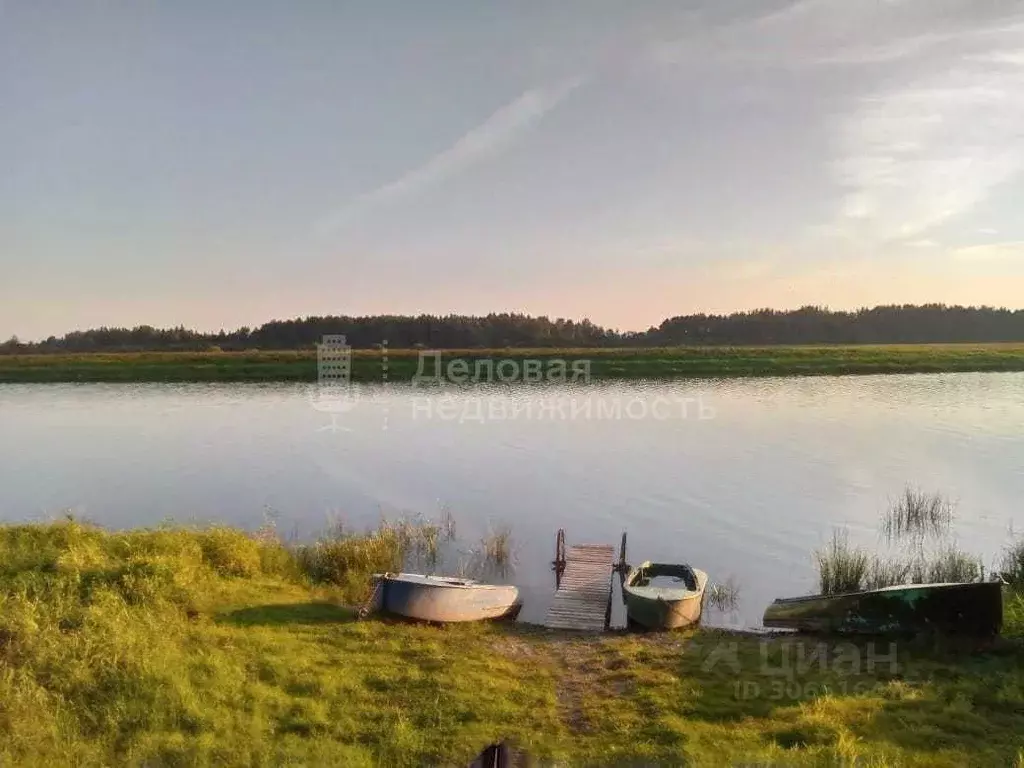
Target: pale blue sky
(216, 164)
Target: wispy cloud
(936, 138)
(485, 140)
(935, 126)
(809, 33)
(915, 155)
(1012, 250)
(883, 53)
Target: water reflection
(751, 492)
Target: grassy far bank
(632, 363)
(189, 647)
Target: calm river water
(742, 478)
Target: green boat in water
(973, 609)
(664, 595)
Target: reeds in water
(842, 569)
(497, 547)
(916, 515)
(725, 597)
(494, 556)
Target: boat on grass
(973, 609)
(443, 598)
(664, 595)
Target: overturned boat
(664, 595)
(442, 598)
(973, 609)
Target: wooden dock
(584, 593)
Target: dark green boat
(973, 609)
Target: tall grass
(887, 572)
(841, 568)
(1013, 613)
(1011, 567)
(950, 565)
(122, 648)
(348, 560)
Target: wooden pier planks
(581, 601)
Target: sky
(216, 164)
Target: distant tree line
(931, 323)
(893, 324)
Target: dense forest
(809, 325)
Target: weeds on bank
(1011, 567)
(841, 568)
(213, 646)
(917, 525)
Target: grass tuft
(841, 568)
(1011, 567)
(916, 515)
(884, 572)
(950, 565)
(348, 560)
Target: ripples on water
(746, 495)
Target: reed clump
(887, 572)
(841, 567)
(950, 565)
(919, 525)
(916, 515)
(1011, 566)
(497, 547)
(348, 560)
(724, 596)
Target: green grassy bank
(213, 647)
(675, 362)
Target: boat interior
(665, 575)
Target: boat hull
(974, 609)
(664, 609)
(426, 598)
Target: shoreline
(176, 645)
(517, 365)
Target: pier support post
(621, 566)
